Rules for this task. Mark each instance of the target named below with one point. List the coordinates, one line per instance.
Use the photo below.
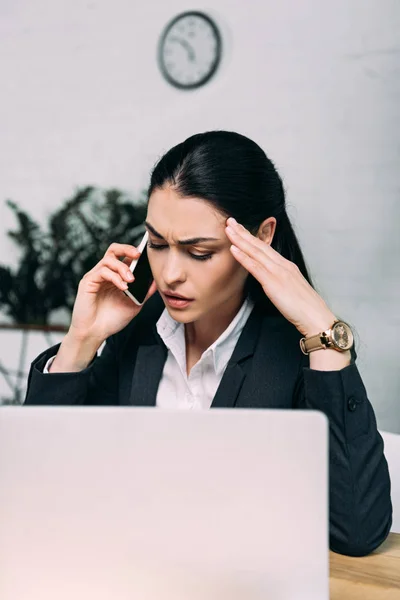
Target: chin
(182, 316)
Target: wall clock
(189, 51)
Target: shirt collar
(173, 335)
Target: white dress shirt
(196, 391)
(177, 390)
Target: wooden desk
(373, 577)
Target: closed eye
(194, 256)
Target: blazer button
(351, 404)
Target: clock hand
(187, 46)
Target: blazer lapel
(274, 369)
(150, 359)
(148, 371)
(239, 363)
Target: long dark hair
(232, 173)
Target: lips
(177, 296)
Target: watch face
(190, 50)
(342, 336)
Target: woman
(219, 236)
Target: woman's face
(202, 270)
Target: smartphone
(138, 289)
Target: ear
(266, 230)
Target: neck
(200, 334)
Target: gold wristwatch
(339, 337)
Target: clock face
(190, 50)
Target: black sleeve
(95, 385)
(360, 510)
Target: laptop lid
(139, 503)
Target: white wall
(316, 83)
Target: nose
(173, 271)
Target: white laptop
(144, 504)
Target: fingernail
(129, 276)
(232, 221)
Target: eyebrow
(188, 242)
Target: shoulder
(279, 338)
(275, 323)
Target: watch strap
(315, 342)
(320, 341)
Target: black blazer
(266, 370)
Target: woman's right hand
(101, 308)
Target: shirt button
(351, 404)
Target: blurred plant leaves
(53, 260)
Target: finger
(120, 250)
(236, 232)
(119, 266)
(104, 273)
(253, 266)
(254, 248)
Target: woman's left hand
(281, 280)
